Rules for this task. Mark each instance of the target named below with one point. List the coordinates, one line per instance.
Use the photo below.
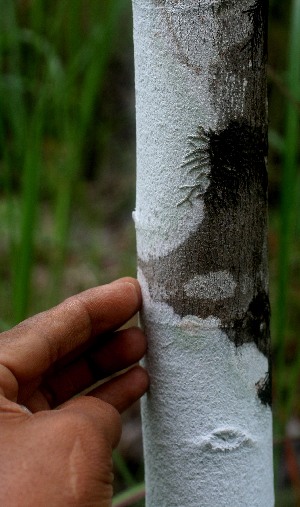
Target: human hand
(63, 457)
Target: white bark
(207, 435)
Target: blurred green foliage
(67, 166)
(55, 130)
(284, 193)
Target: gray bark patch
(215, 285)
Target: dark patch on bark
(257, 42)
(255, 324)
(231, 238)
(245, 95)
(264, 387)
(237, 156)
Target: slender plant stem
(30, 192)
(123, 469)
(130, 497)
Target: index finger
(30, 348)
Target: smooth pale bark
(201, 238)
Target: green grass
(288, 215)
(130, 497)
(53, 66)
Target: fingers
(124, 349)
(30, 348)
(116, 396)
(124, 390)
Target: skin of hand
(61, 453)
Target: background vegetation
(67, 173)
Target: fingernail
(131, 286)
(25, 409)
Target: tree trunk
(201, 236)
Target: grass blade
(129, 497)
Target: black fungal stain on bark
(237, 157)
(255, 324)
(264, 387)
